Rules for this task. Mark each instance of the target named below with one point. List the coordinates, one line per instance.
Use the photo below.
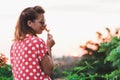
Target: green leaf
(103, 47)
(111, 56)
(117, 63)
(79, 68)
(118, 50)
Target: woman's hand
(50, 41)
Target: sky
(71, 22)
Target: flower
(3, 59)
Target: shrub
(5, 69)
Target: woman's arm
(47, 65)
(47, 62)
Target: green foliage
(113, 56)
(103, 64)
(73, 77)
(81, 73)
(114, 75)
(57, 72)
(6, 72)
(113, 51)
(108, 46)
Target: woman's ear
(29, 23)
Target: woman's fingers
(50, 41)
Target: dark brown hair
(30, 13)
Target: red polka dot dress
(24, 56)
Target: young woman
(31, 57)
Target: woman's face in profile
(38, 25)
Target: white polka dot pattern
(24, 56)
